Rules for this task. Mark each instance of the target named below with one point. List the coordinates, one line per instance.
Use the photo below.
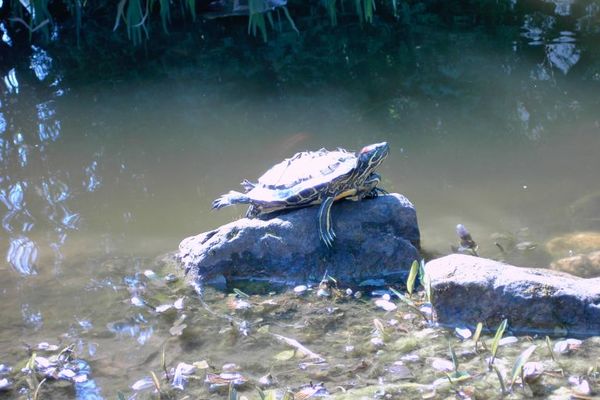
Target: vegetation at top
(39, 19)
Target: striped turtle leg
(326, 233)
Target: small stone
(532, 370)
(163, 307)
(439, 364)
(150, 274)
(5, 384)
(385, 304)
(137, 301)
(300, 289)
(266, 381)
(230, 367)
(567, 346)
(410, 357)
(400, 371)
(178, 303)
(463, 333)
(505, 341)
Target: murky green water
(498, 130)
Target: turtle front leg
(326, 233)
(369, 190)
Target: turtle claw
(220, 203)
(230, 198)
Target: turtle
(309, 178)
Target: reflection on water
(500, 133)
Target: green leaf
(550, 349)
(458, 376)
(497, 337)
(453, 357)
(499, 375)
(520, 362)
(233, 394)
(477, 333)
(412, 276)
(290, 20)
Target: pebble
(300, 289)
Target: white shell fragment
(463, 333)
(300, 289)
(385, 304)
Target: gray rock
(377, 239)
(468, 290)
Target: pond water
(495, 129)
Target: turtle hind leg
(230, 198)
(253, 211)
(326, 233)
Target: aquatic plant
(519, 363)
(496, 341)
(41, 17)
(412, 276)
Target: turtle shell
(319, 166)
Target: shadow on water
(497, 128)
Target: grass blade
(233, 394)
(477, 333)
(497, 337)
(499, 375)
(453, 356)
(550, 349)
(412, 277)
(520, 361)
(290, 20)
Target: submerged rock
(576, 253)
(377, 239)
(573, 243)
(468, 290)
(584, 265)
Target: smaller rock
(567, 346)
(385, 304)
(467, 290)
(300, 289)
(532, 370)
(462, 332)
(439, 364)
(584, 265)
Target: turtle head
(370, 157)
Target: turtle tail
(230, 198)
